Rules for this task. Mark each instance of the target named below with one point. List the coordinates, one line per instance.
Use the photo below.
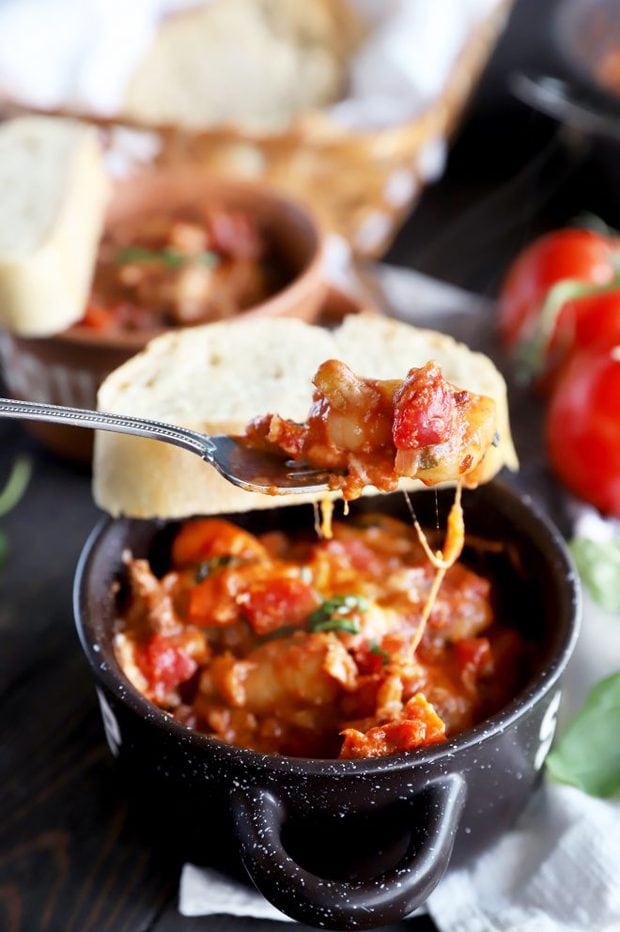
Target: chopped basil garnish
(588, 753)
(332, 614)
(215, 563)
(129, 255)
(283, 632)
(335, 624)
(378, 651)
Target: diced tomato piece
(199, 540)
(352, 552)
(269, 604)
(507, 649)
(371, 659)
(424, 409)
(213, 602)
(234, 233)
(474, 654)
(419, 727)
(269, 430)
(164, 663)
(98, 317)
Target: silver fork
(249, 469)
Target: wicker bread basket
(360, 184)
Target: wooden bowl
(68, 368)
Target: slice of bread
(54, 194)
(217, 377)
(257, 63)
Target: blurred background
(530, 156)
(374, 92)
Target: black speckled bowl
(347, 844)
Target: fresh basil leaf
(599, 567)
(588, 754)
(4, 549)
(16, 484)
(335, 624)
(284, 632)
(215, 563)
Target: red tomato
(588, 322)
(475, 654)
(583, 427)
(164, 664)
(199, 540)
(566, 254)
(269, 604)
(420, 725)
(98, 317)
(424, 409)
(213, 601)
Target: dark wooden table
(72, 856)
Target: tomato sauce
(370, 432)
(289, 644)
(178, 269)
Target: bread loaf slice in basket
(54, 195)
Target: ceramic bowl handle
(336, 904)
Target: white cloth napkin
(82, 53)
(558, 870)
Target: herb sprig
(332, 615)
(14, 489)
(172, 258)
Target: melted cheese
(327, 512)
(442, 560)
(323, 513)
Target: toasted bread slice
(217, 377)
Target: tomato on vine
(576, 255)
(583, 427)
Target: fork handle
(183, 437)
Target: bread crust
(216, 377)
